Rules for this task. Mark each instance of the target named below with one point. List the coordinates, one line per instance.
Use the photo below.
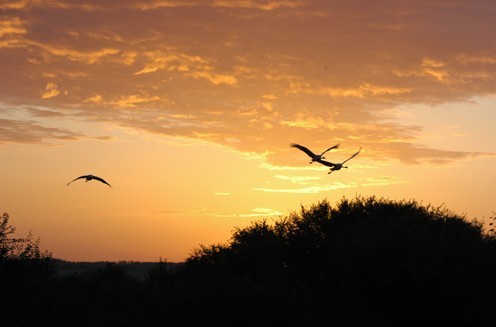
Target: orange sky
(188, 107)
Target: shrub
(365, 260)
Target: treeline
(135, 269)
(365, 261)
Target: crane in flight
(89, 178)
(338, 166)
(315, 157)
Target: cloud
(362, 91)
(44, 113)
(320, 188)
(413, 154)
(94, 5)
(51, 90)
(96, 98)
(133, 101)
(104, 138)
(253, 75)
(18, 131)
(303, 180)
(261, 212)
(259, 4)
(84, 56)
(215, 78)
(179, 212)
(12, 26)
(383, 180)
(271, 167)
(308, 189)
(158, 60)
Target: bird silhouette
(315, 157)
(338, 166)
(89, 178)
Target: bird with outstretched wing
(89, 178)
(338, 166)
(315, 157)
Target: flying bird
(89, 178)
(315, 157)
(338, 166)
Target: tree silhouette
(364, 261)
(25, 274)
(21, 251)
(367, 260)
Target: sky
(187, 108)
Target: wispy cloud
(261, 212)
(168, 60)
(262, 5)
(383, 180)
(94, 5)
(297, 179)
(308, 189)
(20, 131)
(132, 101)
(271, 167)
(44, 113)
(325, 187)
(215, 78)
(177, 212)
(12, 26)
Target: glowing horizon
(187, 108)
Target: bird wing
(326, 163)
(101, 180)
(353, 155)
(75, 179)
(304, 149)
(332, 147)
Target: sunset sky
(188, 107)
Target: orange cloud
(171, 62)
(151, 4)
(215, 78)
(320, 187)
(262, 212)
(51, 90)
(253, 75)
(259, 4)
(20, 131)
(12, 26)
(97, 98)
(133, 101)
(364, 90)
(89, 57)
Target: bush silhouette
(25, 273)
(367, 260)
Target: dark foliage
(25, 274)
(366, 261)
